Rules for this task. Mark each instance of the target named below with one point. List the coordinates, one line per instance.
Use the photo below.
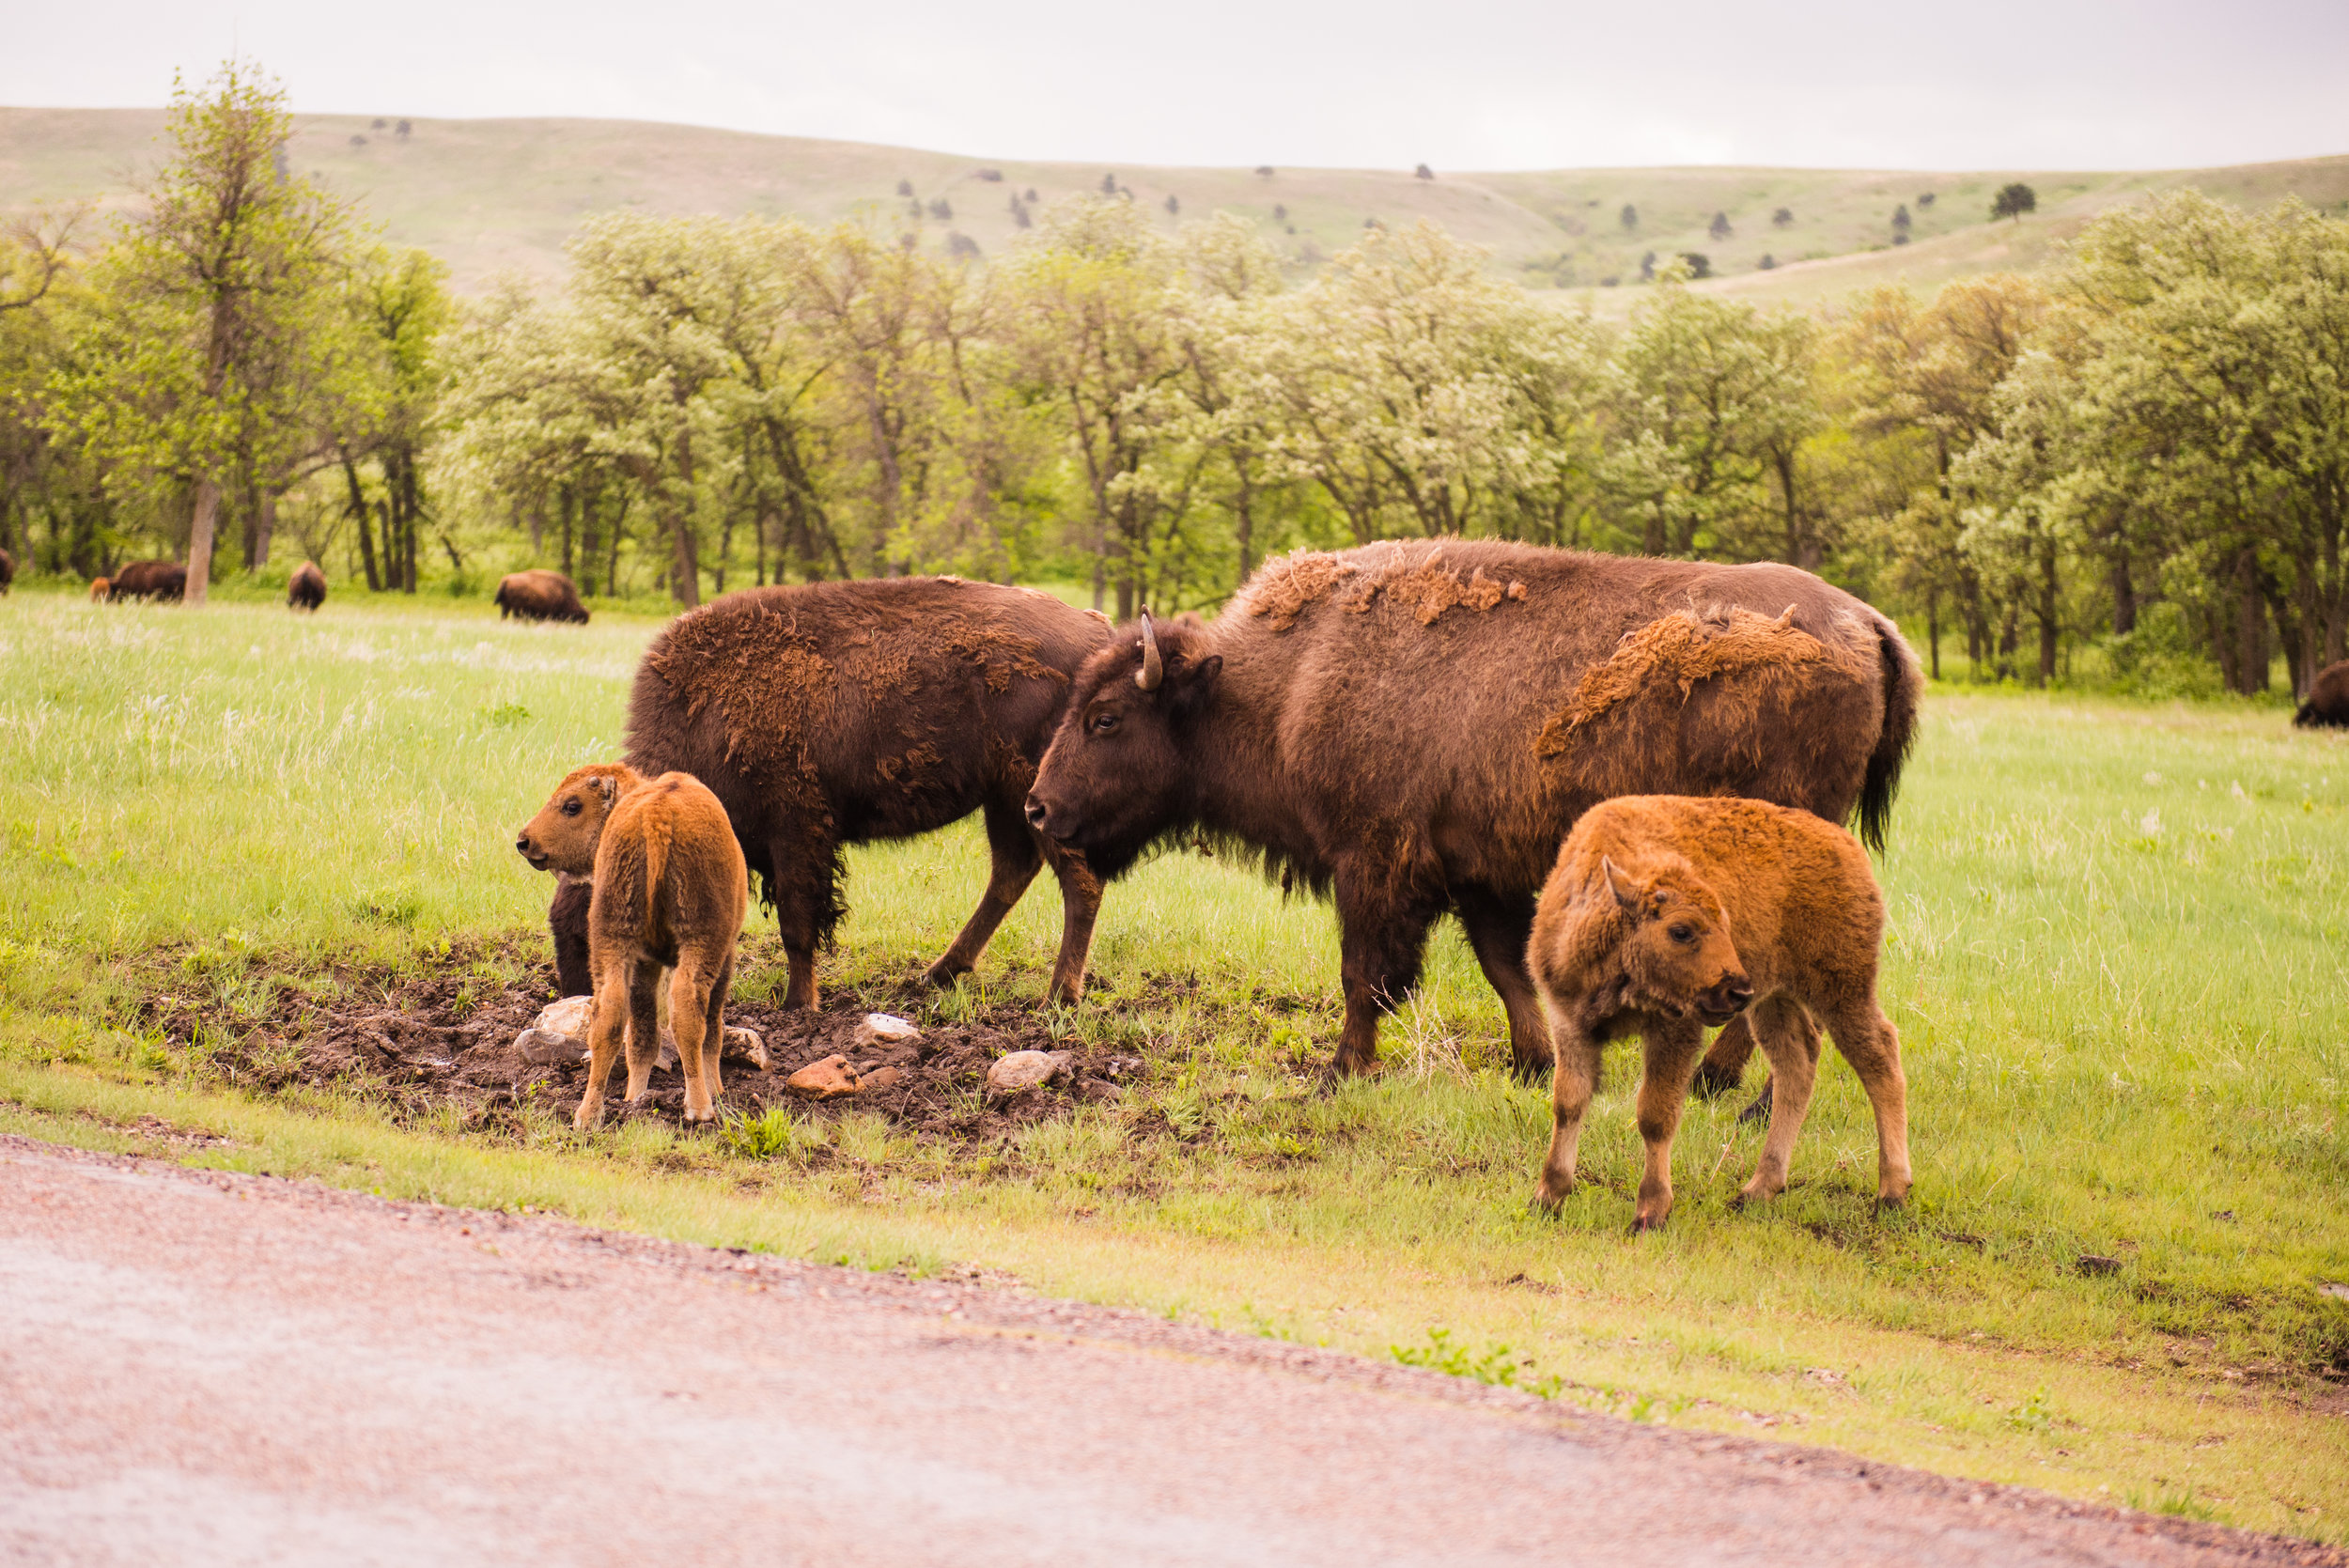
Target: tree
(2013, 201)
(219, 306)
(1423, 172)
(1629, 216)
(1901, 220)
(1719, 228)
(1698, 264)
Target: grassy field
(2116, 959)
(504, 194)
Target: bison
(2327, 706)
(150, 580)
(834, 713)
(567, 917)
(7, 570)
(1665, 914)
(306, 589)
(101, 589)
(670, 891)
(1412, 728)
(539, 596)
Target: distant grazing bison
(834, 713)
(1413, 727)
(7, 570)
(101, 589)
(306, 590)
(670, 893)
(1665, 914)
(150, 580)
(2328, 699)
(539, 596)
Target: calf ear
(1626, 892)
(607, 786)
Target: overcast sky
(1471, 84)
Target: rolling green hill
(503, 194)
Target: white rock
(1023, 1070)
(885, 1028)
(745, 1045)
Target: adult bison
(2327, 706)
(150, 580)
(306, 589)
(1415, 727)
(7, 570)
(835, 713)
(539, 596)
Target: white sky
(1474, 84)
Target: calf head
(1119, 771)
(564, 836)
(1676, 948)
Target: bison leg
(1724, 1067)
(1081, 906)
(1498, 926)
(604, 1023)
(695, 990)
(1572, 1082)
(801, 884)
(1381, 942)
(567, 919)
(1791, 1043)
(644, 1027)
(1873, 1046)
(1671, 1048)
(1014, 863)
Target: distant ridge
(493, 196)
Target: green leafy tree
(2013, 201)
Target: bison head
(1118, 771)
(1675, 948)
(564, 836)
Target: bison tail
(1904, 685)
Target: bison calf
(101, 589)
(670, 891)
(1667, 914)
(306, 590)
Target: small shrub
(1783, 217)
(993, 177)
(1719, 228)
(1629, 216)
(1700, 264)
(1768, 261)
(1264, 171)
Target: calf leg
(1080, 905)
(1498, 926)
(1870, 1043)
(1724, 1067)
(714, 1025)
(644, 1027)
(693, 986)
(1671, 1048)
(1790, 1041)
(1014, 860)
(1572, 1081)
(1381, 942)
(604, 1025)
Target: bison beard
(1413, 728)
(836, 713)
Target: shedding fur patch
(1682, 650)
(1412, 576)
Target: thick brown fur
(1666, 913)
(670, 894)
(2327, 706)
(148, 580)
(101, 589)
(538, 595)
(1397, 725)
(306, 589)
(7, 570)
(836, 713)
(568, 919)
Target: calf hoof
(1543, 1206)
(587, 1118)
(1760, 1110)
(1891, 1201)
(1645, 1223)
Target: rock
(880, 1077)
(885, 1028)
(1023, 1070)
(567, 1017)
(745, 1045)
(828, 1080)
(542, 1049)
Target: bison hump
(1411, 575)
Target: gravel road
(198, 1368)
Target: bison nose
(522, 844)
(1036, 812)
(1737, 991)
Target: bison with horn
(1412, 728)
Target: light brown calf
(670, 893)
(1667, 914)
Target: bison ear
(1192, 680)
(1626, 892)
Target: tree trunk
(200, 542)
(267, 512)
(359, 520)
(2050, 610)
(2124, 596)
(2251, 625)
(1933, 630)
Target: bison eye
(572, 807)
(1681, 933)
(1104, 722)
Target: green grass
(2116, 959)
(504, 194)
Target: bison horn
(1153, 668)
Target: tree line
(2144, 451)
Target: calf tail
(1904, 685)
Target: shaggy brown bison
(1667, 914)
(670, 893)
(150, 580)
(834, 713)
(7, 570)
(539, 596)
(1413, 727)
(306, 589)
(2328, 699)
(567, 917)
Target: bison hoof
(1532, 1069)
(1760, 1110)
(1542, 1206)
(1712, 1081)
(1645, 1223)
(588, 1120)
(1891, 1201)
(943, 975)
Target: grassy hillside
(499, 194)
